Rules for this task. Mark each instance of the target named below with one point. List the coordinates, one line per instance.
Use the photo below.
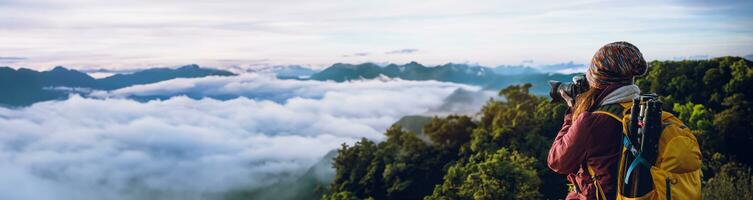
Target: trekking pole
(637, 178)
(634, 117)
(649, 145)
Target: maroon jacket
(594, 140)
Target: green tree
(402, 167)
(733, 181)
(696, 116)
(450, 132)
(735, 126)
(352, 165)
(499, 175)
(345, 195)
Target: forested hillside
(502, 153)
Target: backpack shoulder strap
(600, 195)
(616, 111)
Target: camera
(578, 86)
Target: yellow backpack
(676, 173)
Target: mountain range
(286, 72)
(515, 70)
(488, 78)
(24, 87)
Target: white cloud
(581, 69)
(402, 51)
(265, 86)
(182, 148)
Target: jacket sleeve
(569, 148)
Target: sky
(127, 34)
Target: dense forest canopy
(501, 153)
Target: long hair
(585, 101)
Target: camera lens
(554, 87)
(579, 85)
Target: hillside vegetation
(502, 153)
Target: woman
(595, 139)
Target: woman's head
(614, 64)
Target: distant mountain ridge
(412, 71)
(21, 87)
(25, 86)
(286, 72)
(488, 78)
(156, 75)
(515, 70)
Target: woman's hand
(568, 99)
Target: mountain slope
(414, 123)
(24, 87)
(307, 186)
(156, 75)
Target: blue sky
(142, 33)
